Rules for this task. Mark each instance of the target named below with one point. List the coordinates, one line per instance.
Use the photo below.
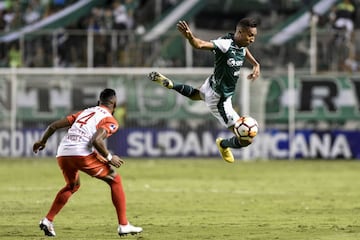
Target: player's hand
(116, 161)
(255, 74)
(38, 146)
(184, 28)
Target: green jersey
(228, 60)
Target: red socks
(118, 199)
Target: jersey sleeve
(222, 44)
(71, 118)
(109, 124)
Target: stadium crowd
(109, 16)
(117, 24)
(15, 14)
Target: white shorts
(220, 107)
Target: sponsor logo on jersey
(231, 62)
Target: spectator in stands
(2, 21)
(108, 19)
(121, 18)
(122, 23)
(14, 56)
(343, 16)
(31, 15)
(131, 6)
(39, 58)
(9, 17)
(95, 20)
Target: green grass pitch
(192, 199)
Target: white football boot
(128, 229)
(48, 227)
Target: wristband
(109, 157)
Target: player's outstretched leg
(48, 227)
(161, 79)
(225, 153)
(183, 89)
(128, 229)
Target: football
(246, 128)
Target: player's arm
(53, 127)
(256, 66)
(98, 141)
(197, 43)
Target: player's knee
(116, 179)
(112, 177)
(73, 187)
(195, 95)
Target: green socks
(231, 143)
(184, 89)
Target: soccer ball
(246, 128)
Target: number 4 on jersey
(83, 120)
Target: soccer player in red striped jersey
(83, 148)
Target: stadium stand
(121, 33)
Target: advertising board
(169, 143)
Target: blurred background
(57, 55)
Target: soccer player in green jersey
(230, 52)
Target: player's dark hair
(106, 95)
(247, 23)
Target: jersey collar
(105, 107)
